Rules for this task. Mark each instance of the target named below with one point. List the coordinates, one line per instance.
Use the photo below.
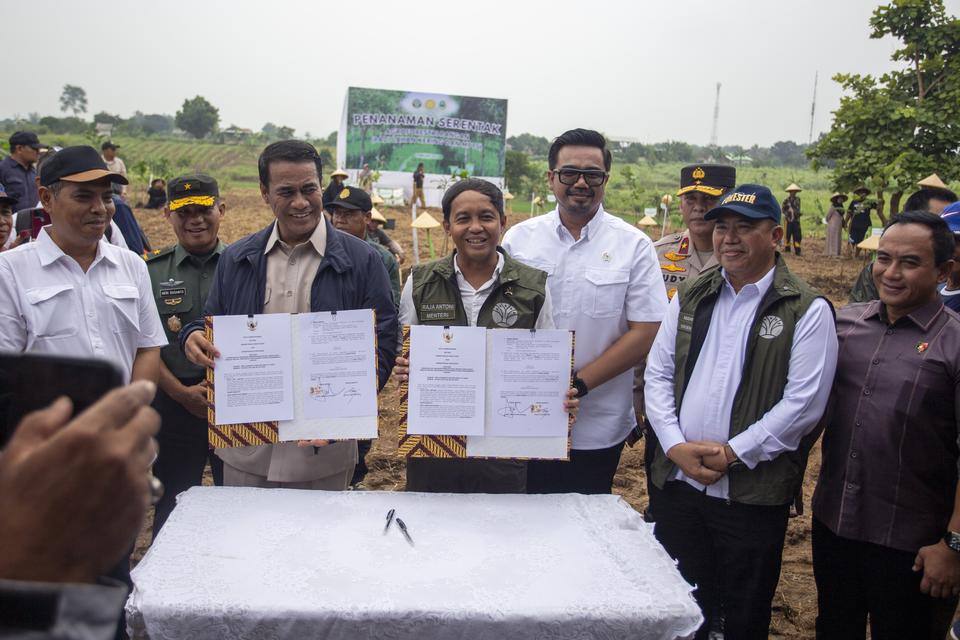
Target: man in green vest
(181, 275)
(736, 381)
(479, 286)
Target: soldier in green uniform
(181, 275)
(686, 255)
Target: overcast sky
(640, 68)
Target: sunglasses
(593, 177)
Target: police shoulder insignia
(684, 248)
(675, 268)
(674, 256)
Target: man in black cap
(351, 212)
(181, 275)
(735, 384)
(17, 173)
(71, 292)
(689, 253)
(115, 164)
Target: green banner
(397, 130)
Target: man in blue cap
(736, 381)
(951, 292)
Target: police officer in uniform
(685, 255)
(181, 275)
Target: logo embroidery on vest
(504, 314)
(771, 327)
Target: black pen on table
(403, 530)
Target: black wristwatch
(580, 386)
(736, 463)
(952, 540)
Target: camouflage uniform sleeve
(864, 289)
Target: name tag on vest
(685, 322)
(437, 311)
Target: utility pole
(716, 118)
(813, 106)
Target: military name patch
(165, 293)
(685, 322)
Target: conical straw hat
(933, 181)
(647, 221)
(793, 188)
(425, 221)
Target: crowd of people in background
(704, 343)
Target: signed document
(447, 375)
(338, 363)
(253, 379)
(528, 375)
(335, 374)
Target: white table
(279, 563)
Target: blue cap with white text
(749, 200)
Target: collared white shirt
(708, 400)
(49, 305)
(291, 270)
(472, 299)
(598, 283)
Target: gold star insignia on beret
(186, 186)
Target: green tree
(198, 117)
(892, 130)
(73, 99)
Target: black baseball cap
(5, 197)
(77, 164)
(27, 139)
(352, 198)
(109, 145)
(195, 188)
(711, 179)
(750, 201)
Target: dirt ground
(794, 607)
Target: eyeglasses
(593, 177)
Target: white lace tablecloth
(279, 563)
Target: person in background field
(335, 186)
(834, 242)
(886, 510)
(365, 178)
(950, 293)
(156, 194)
(28, 222)
(858, 218)
(605, 283)
(932, 199)
(472, 283)
(181, 275)
(297, 264)
(115, 164)
(6, 221)
(735, 384)
(375, 233)
(17, 172)
(73, 493)
(133, 234)
(791, 211)
(418, 186)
